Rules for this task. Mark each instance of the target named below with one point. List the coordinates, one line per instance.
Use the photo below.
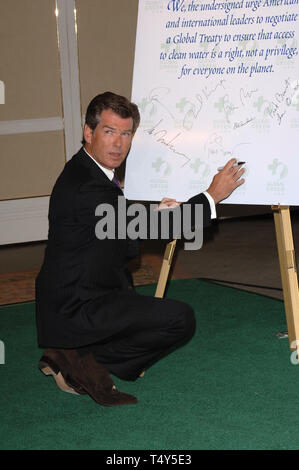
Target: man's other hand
(168, 203)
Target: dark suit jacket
(81, 273)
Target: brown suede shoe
(83, 375)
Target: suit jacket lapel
(83, 159)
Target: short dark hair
(117, 103)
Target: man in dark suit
(89, 317)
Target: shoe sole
(112, 399)
(60, 382)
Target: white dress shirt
(109, 173)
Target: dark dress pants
(149, 328)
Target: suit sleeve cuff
(212, 205)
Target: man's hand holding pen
(227, 180)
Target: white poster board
(215, 80)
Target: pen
(235, 164)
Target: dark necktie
(115, 180)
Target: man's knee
(185, 319)
(190, 322)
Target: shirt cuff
(212, 205)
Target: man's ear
(87, 133)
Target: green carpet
(232, 387)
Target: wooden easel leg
(166, 264)
(288, 270)
(167, 259)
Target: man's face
(111, 140)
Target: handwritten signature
(245, 95)
(162, 137)
(207, 92)
(201, 98)
(277, 108)
(239, 124)
(215, 144)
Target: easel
(288, 271)
(166, 264)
